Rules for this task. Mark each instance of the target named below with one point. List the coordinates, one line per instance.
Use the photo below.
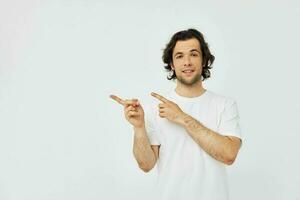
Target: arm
(222, 148)
(145, 154)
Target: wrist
(139, 127)
(139, 130)
(183, 119)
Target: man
(193, 133)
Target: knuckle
(128, 101)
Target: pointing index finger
(127, 102)
(117, 99)
(159, 97)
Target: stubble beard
(191, 82)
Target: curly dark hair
(207, 57)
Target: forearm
(218, 146)
(142, 150)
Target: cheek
(177, 63)
(177, 66)
(197, 61)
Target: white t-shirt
(185, 171)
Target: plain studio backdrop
(62, 137)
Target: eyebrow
(190, 51)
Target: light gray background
(61, 137)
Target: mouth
(188, 71)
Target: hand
(170, 110)
(133, 111)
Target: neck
(194, 90)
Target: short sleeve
(230, 120)
(151, 126)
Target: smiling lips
(188, 71)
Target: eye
(178, 57)
(194, 54)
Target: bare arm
(142, 150)
(145, 154)
(222, 148)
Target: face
(187, 61)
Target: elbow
(146, 166)
(230, 158)
(146, 169)
(231, 151)
(229, 161)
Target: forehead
(186, 45)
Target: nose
(187, 61)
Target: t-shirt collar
(188, 99)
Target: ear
(172, 67)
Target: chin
(189, 82)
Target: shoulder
(220, 100)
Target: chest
(173, 134)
